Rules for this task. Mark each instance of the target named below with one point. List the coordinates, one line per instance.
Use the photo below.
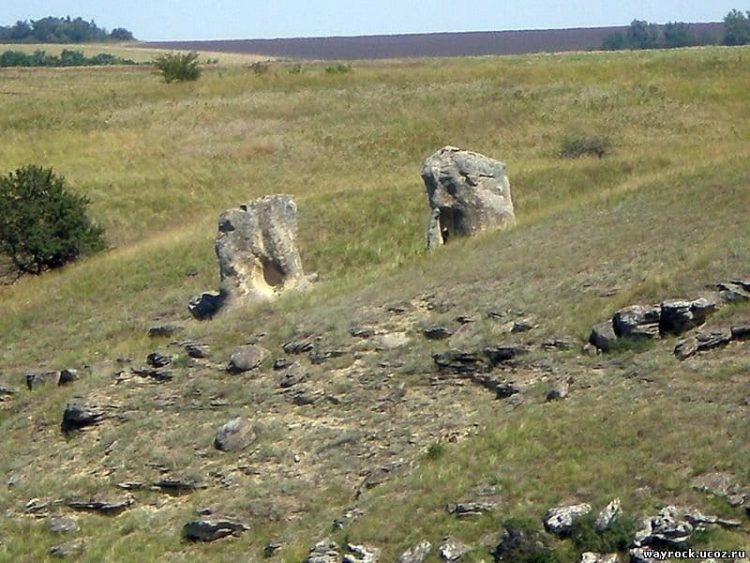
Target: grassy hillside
(662, 215)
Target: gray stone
(697, 518)
(6, 390)
(293, 375)
(603, 336)
(208, 530)
(437, 333)
(67, 376)
(257, 250)
(734, 291)
(500, 354)
(416, 554)
(206, 305)
(197, 351)
(247, 358)
(723, 485)
(518, 544)
(701, 342)
(664, 529)
(559, 391)
(158, 360)
(561, 519)
(34, 380)
(591, 557)
(741, 332)
(459, 362)
(234, 436)
(452, 550)
(177, 486)
(637, 321)
(467, 193)
(391, 341)
(99, 506)
(78, 416)
(156, 374)
(678, 316)
(474, 508)
(162, 331)
(608, 515)
(638, 555)
(349, 517)
(300, 345)
(272, 548)
(63, 525)
(70, 549)
(325, 551)
(361, 554)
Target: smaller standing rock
(67, 376)
(234, 436)
(678, 316)
(247, 358)
(34, 380)
(603, 336)
(453, 550)
(293, 375)
(559, 390)
(77, 416)
(197, 351)
(416, 554)
(560, 520)
(212, 530)
(608, 515)
(206, 305)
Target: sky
(158, 20)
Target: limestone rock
(70, 549)
(34, 380)
(518, 544)
(247, 358)
(63, 525)
(325, 551)
(664, 529)
(209, 530)
(560, 520)
(452, 550)
(723, 485)
(257, 250)
(637, 321)
(608, 515)
(590, 557)
(67, 376)
(474, 508)
(678, 316)
(100, 506)
(603, 336)
(235, 435)
(416, 554)
(700, 343)
(467, 193)
(361, 554)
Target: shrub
(617, 537)
(338, 69)
(435, 451)
(576, 146)
(178, 66)
(259, 67)
(42, 224)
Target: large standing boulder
(258, 257)
(467, 192)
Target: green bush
(178, 66)
(617, 537)
(259, 67)
(42, 224)
(338, 69)
(576, 146)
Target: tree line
(645, 35)
(66, 58)
(60, 30)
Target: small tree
(178, 66)
(737, 28)
(42, 224)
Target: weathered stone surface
(500, 354)
(70, 549)
(63, 525)
(467, 509)
(603, 336)
(638, 555)
(590, 557)
(321, 356)
(247, 358)
(300, 345)
(325, 551)
(162, 330)
(701, 342)
(741, 332)
(723, 485)
(197, 351)
(452, 550)
(608, 515)
(361, 554)
(293, 375)
(350, 516)
(235, 435)
(105, 507)
(208, 530)
(156, 374)
(678, 316)
(519, 544)
(177, 486)
(459, 362)
(34, 380)
(734, 291)
(437, 333)
(416, 554)
(697, 518)
(637, 321)
(158, 360)
(206, 305)
(78, 416)
(559, 391)
(67, 376)
(380, 475)
(467, 193)
(257, 250)
(664, 530)
(272, 548)
(560, 520)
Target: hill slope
(663, 214)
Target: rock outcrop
(467, 193)
(258, 257)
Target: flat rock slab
(70, 549)
(63, 525)
(561, 519)
(325, 551)
(105, 507)
(35, 380)
(723, 485)
(209, 530)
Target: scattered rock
(561, 519)
(235, 435)
(524, 325)
(590, 557)
(176, 486)
(272, 548)
(300, 345)
(349, 517)
(257, 250)
(206, 305)
(664, 530)
(700, 343)
(467, 193)
(247, 358)
(321, 356)
(437, 333)
(608, 515)
(678, 316)
(458, 362)
(603, 336)
(131, 485)
(723, 485)
(452, 550)
(158, 360)
(698, 519)
(363, 332)
(380, 475)
(67, 376)
(293, 375)
(325, 551)
(502, 388)
(78, 416)
(63, 525)
(734, 291)
(105, 507)
(518, 544)
(391, 341)
(500, 354)
(70, 549)
(466, 509)
(157, 374)
(6, 390)
(416, 554)
(637, 321)
(559, 391)
(305, 396)
(34, 380)
(557, 344)
(208, 530)
(197, 351)
(361, 554)
(162, 331)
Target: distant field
(422, 45)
